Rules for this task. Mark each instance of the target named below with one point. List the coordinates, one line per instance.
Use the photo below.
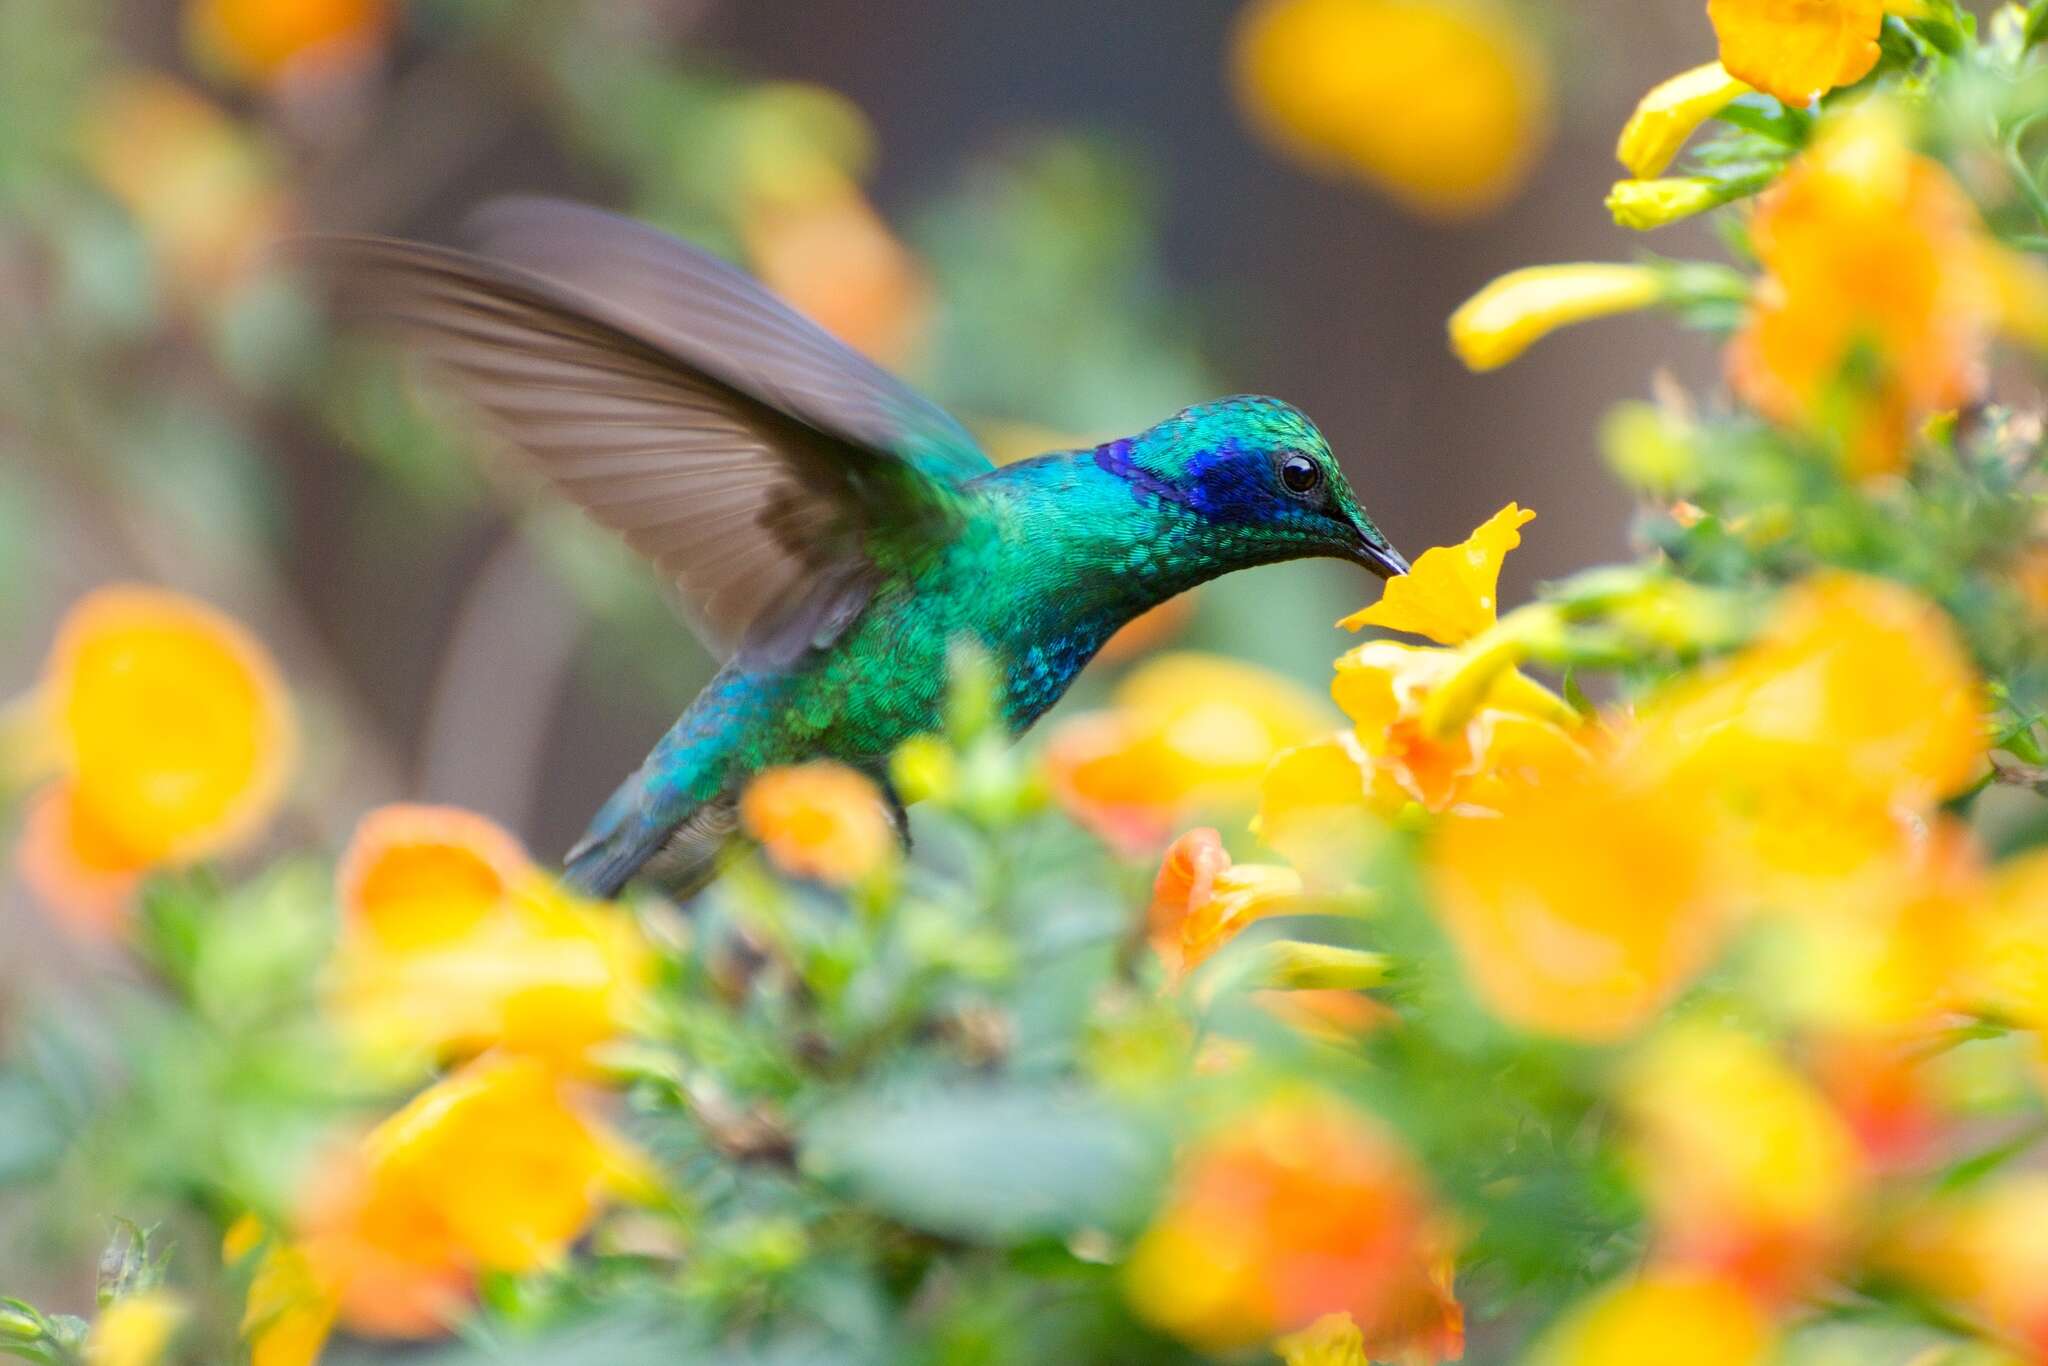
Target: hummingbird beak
(1375, 554)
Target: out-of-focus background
(1063, 219)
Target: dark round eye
(1301, 474)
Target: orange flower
(1450, 593)
(1871, 253)
(1149, 630)
(833, 257)
(1797, 49)
(497, 1168)
(1745, 1166)
(264, 42)
(1201, 901)
(820, 820)
(1185, 733)
(1855, 706)
(171, 738)
(1301, 1208)
(453, 942)
(200, 187)
(1582, 903)
(1444, 104)
(1672, 1317)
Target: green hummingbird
(832, 530)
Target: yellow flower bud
(925, 767)
(1297, 965)
(1520, 308)
(1646, 204)
(1671, 113)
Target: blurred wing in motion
(763, 465)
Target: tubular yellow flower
(1519, 309)
(1302, 1208)
(820, 820)
(1318, 803)
(1797, 49)
(1201, 900)
(1672, 1317)
(135, 1330)
(1671, 113)
(1449, 594)
(175, 727)
(266, 41)
(1441, 103)
(1645, 204)
(454, 943)
(1582, 901)
(1744, 1164)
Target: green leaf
(2037, 24)
(990, 1162)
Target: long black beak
(1376, 555)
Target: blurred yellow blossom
(1519, 309)
(1875, 261)
(1301, 1208)
(1184, 732)
(1797, 49)
(1450, 593)
(1444, 104)
(1582, 902)
(1670, 114)
(1317, 804)
(1201, 900)
(199, 185)
(452, 942)
(1985, 1250)
(263, 42)
(820, 820)
(1745, 1166)
(170, 738)
(1857, 705)
(497, 1168)
(287, 1313)
(135, 1330)
(2008, 958)
(1674, 1317)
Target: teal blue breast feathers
(830, 529)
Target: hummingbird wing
(765, 467)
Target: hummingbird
(829, 530)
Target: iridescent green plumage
(841, 530)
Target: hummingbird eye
(1301, 475)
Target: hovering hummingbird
(832, 530)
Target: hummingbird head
(1258, 467)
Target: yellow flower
(170, 738)
(1985, 1250)
(264, 42)
(1671, 113)
(1514, 728)
(2008, 971)
(1672, 1317)
(497, 1168)
(1301, 1208)
(453, 942)
(1318, 803)
(1871, 254)
(1857, 704)
(820, 820)
(1185, 732)
(1583, 902)
(1743, 1163)
(175, 728)
(287, 1314)
(1332, 1340)
(1520, 308)
(1449, 594)
(201, 188)
(1644, 204)
(135, 1330)
(1797, 49)
(1443, 104)
(1201, 901)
